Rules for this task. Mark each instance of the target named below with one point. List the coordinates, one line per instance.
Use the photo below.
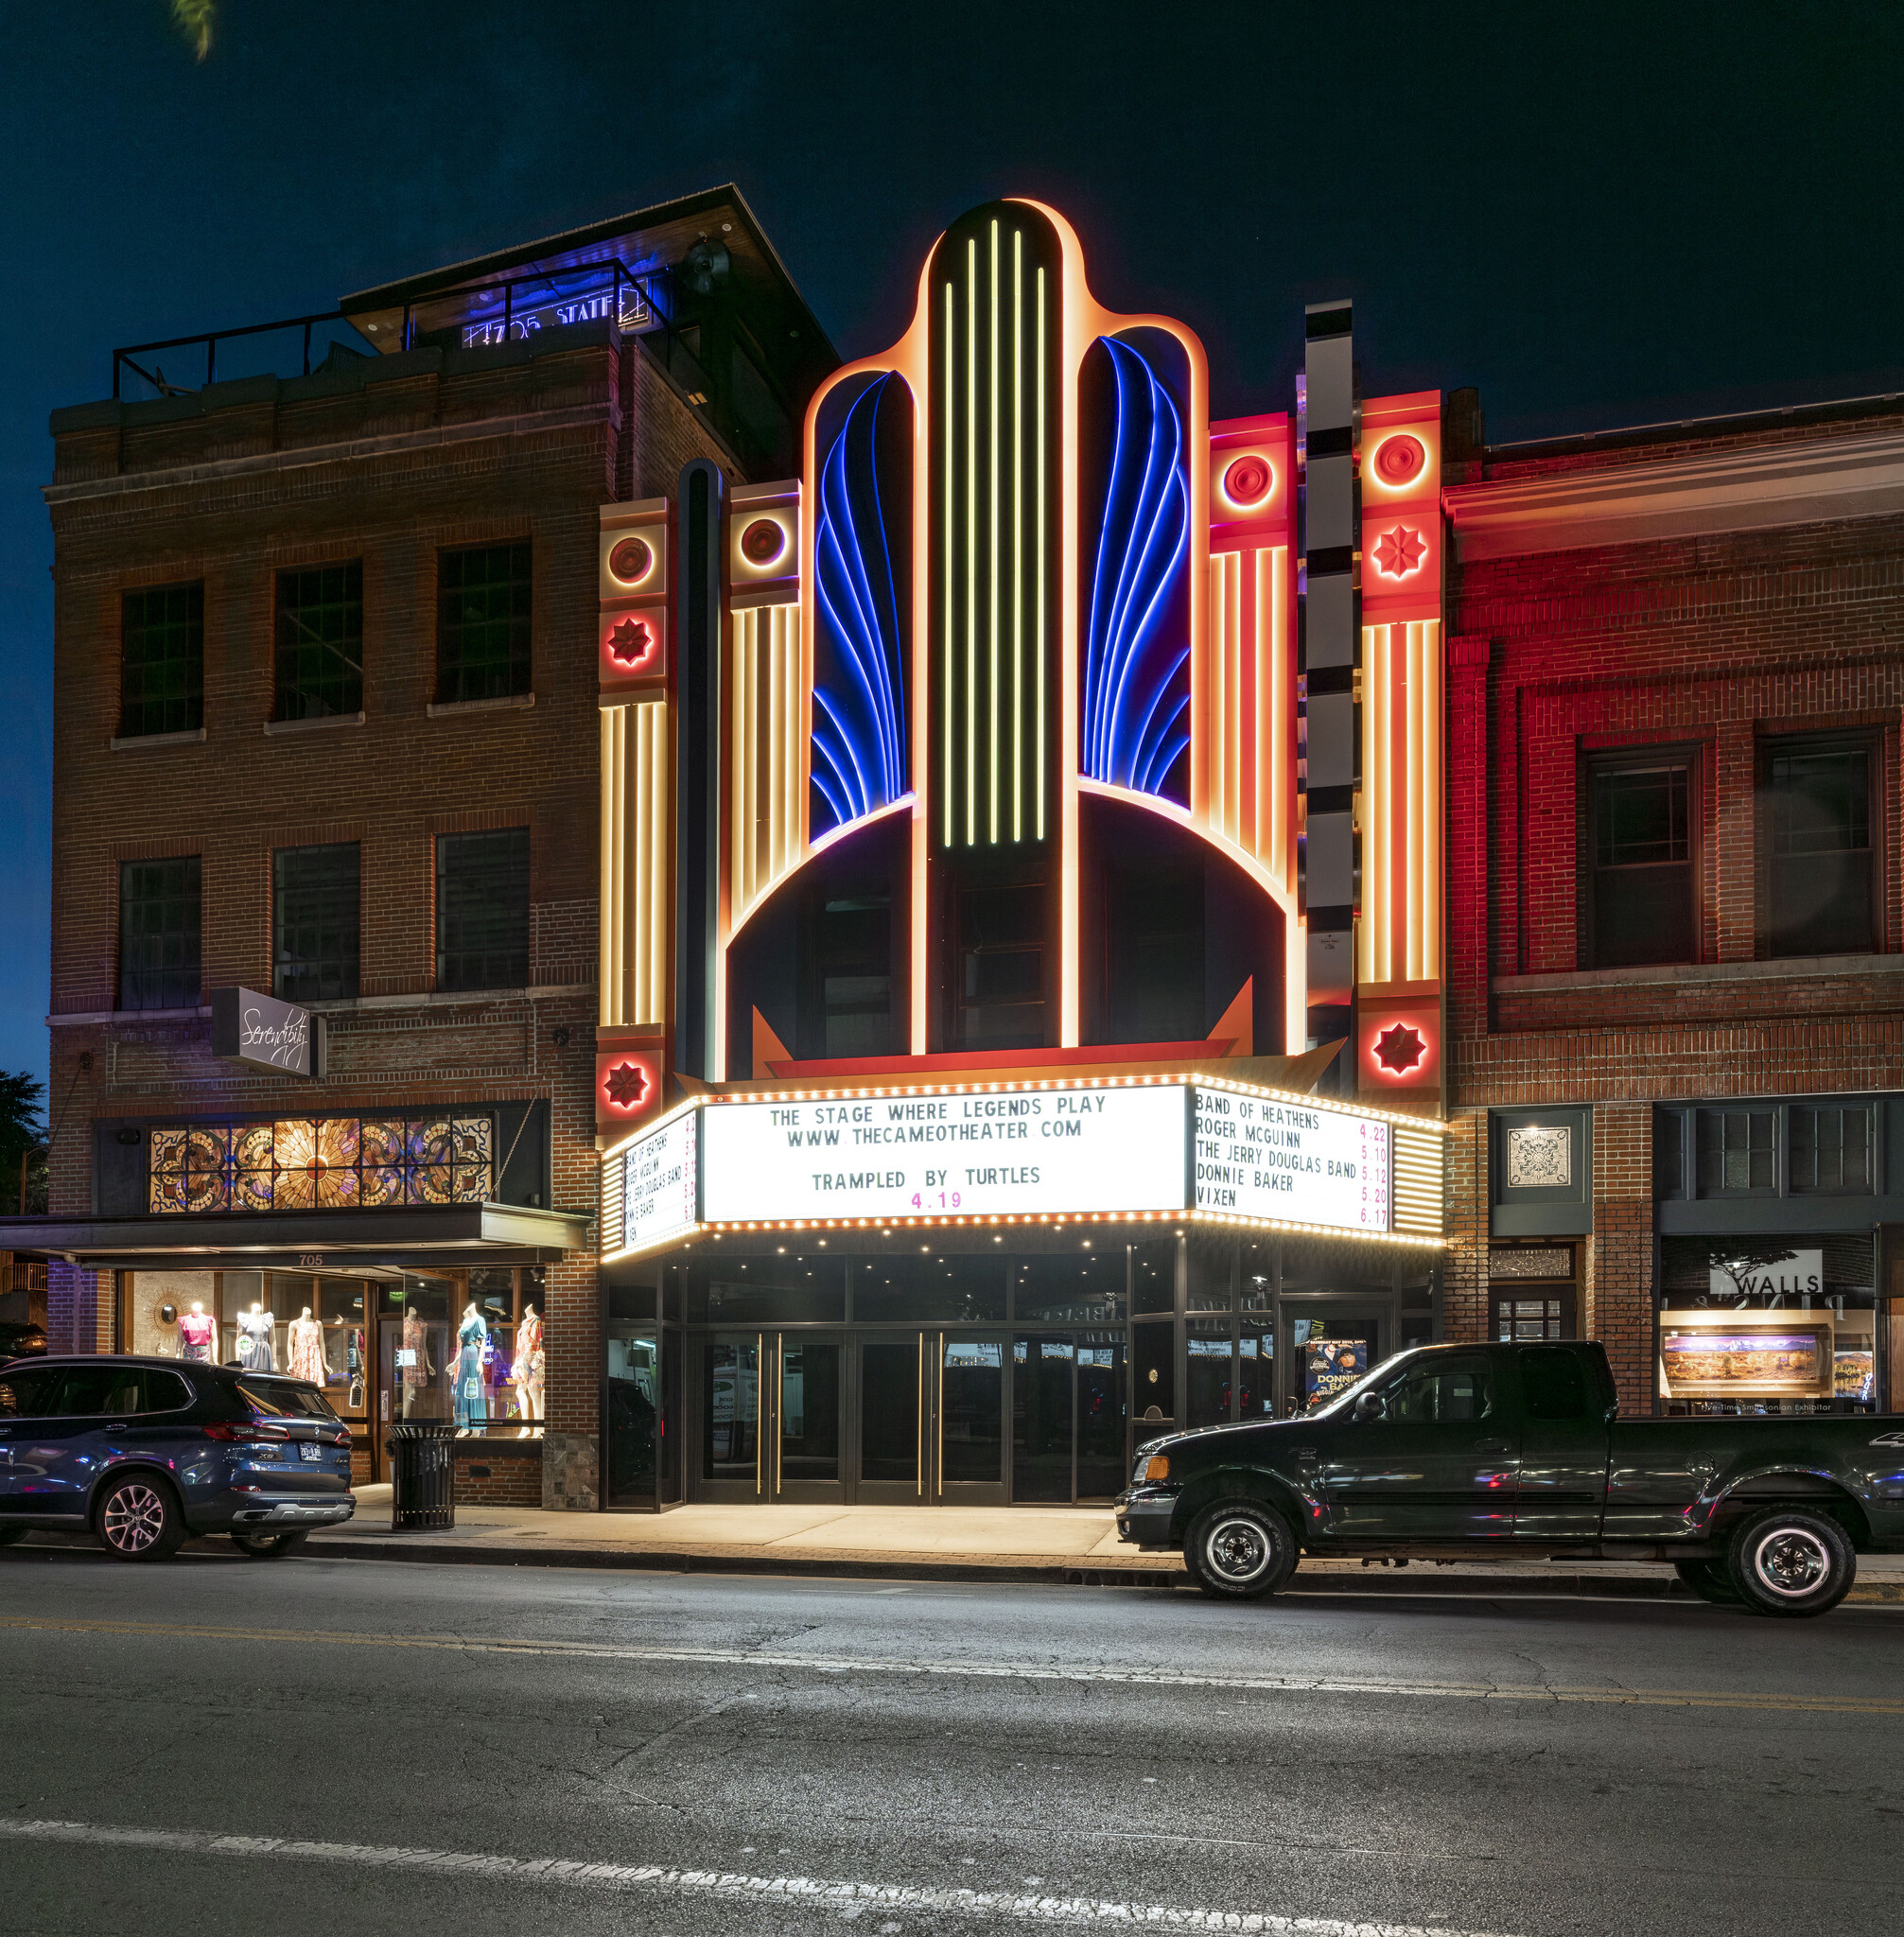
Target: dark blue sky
(1599, 214)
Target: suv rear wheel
(1789, 1560)
(1239, 1550)
(140, 1519)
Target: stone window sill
(193, 737)
(316, 725)
(441, 709)
(1699, 974)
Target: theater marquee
(1027, 1153)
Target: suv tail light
(245, 1435)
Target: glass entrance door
(894, 1375)
(969, 1442)
(1067, 1416)
(1043, 1416)
(772, 1416)
(634, 1414)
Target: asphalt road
(365, 1747)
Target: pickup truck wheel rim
(1236, 1551)
(135, 1517)
(1790, 1562)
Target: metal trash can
(422, 1476)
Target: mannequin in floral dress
(525, 1374)
(306, 1350)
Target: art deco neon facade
(1010, 689)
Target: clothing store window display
(305, 1358)
(197, 1335)
(525, 1374)
(257, 1339)
(472, 1391)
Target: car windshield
(282, 1402)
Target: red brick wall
(523, 442)
(510, 1480)
(1714, 640)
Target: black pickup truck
(1465, 1452)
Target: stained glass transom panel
(323, 1164)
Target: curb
(1308, 1580)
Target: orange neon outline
(1084, 320)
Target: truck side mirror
(1369, 1407)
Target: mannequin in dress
(525, 1372)
(306, 1354)
(472, 1401)
(257, 1330)
(353, 1366)
(415, 1375)
(197, 1335)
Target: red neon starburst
(631, 641)
(1399, 552)
(1400, 1049)
(626, 1085)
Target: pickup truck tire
(1788, 1560)
(1239, 1550)
(268, 1547)
(1710, 1581)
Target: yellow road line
(999, 1670)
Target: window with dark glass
(482, 624)
(1830, 1149)
(1738, 1153)
(483, 910)
(1001, 968)
(161, 660)
(1154, 950)
(315, 923)
(1639, 900)
(159, 934)
(320, 649)
(852, 964)
(1818, 850)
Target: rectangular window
(1738, 1153)
(1831, 1150)
(161, 660)
(852, 964)
(482, 624)
(483, 910)
(159, 934)
(320, 655)
(1640, 899)
(1001, 968)
(315, 923)
(1818, 846)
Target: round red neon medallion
(1400, 459)
(629, 561)
(1247, 482)
(762, 542)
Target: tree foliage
(193, 18)
(22, 1127)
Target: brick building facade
(374, 485)
(1674, 690)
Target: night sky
(1600, 215)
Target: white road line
(851, 1900)
(1771, 1702)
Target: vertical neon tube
(1018, 535)
(972, 543)
(1037, 608)
(991, 496)
(946, 567)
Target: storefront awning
(409, 1236)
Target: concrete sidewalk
(1074, 1544)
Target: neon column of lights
(635, 871)
(1038, 641)
(972, 543)
(991, 506)
(1018, 535)
(946, 788)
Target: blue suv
(143, 1453)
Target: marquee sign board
(1006, 1154)
(1061, 1150)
